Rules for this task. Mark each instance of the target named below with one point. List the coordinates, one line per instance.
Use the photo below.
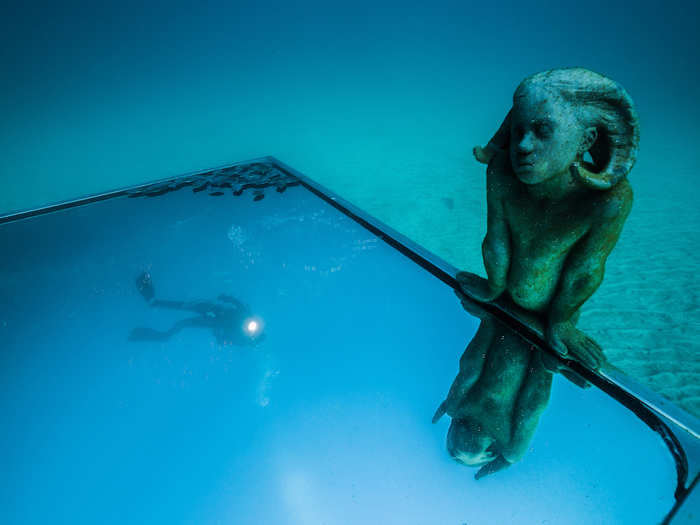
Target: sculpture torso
(542, 234)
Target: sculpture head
(468, 443)
(546, 134)
(559, 115)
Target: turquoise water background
(381, 102)
(98, 96)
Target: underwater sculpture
(229, 320)
(553, 216)
(497, 398)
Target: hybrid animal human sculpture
(554, 217)
(497, 398)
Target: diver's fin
(144, 284)
(440, 411)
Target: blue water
(327, 420)
(97, 96)
(381, 102)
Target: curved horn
(618, 141)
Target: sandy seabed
(646, 313)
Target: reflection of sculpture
(496, 399)
(229, 320)
(553, 217)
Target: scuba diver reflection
(228, 319)
(497, 398)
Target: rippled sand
(646, 313)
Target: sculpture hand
(469, 305)
(483, 155)
(568, 340)
(476, 287)
(551, 363)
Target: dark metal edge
(680, 501)
(88, 199)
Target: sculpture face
(546, 135)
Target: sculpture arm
(583, 272)
(585, 266)
(495, 248)
(496, 245)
